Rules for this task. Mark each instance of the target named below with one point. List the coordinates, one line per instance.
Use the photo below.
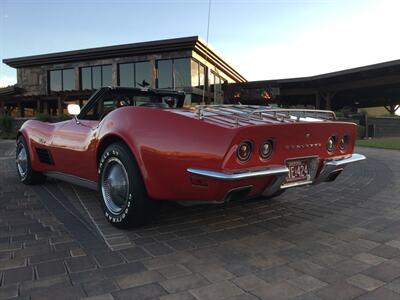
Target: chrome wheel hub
(115, 185)
(22, 160)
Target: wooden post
(21, 109)
(38, 108)
(2, 110)
(45, 108)
(60, 106)
(317, 101)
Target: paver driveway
(331, 241)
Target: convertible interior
(106, 100)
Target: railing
(248, 113)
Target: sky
(261, 39)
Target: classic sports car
(134, 145)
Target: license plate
(299, 170)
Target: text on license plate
(299, 170)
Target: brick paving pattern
(332, 241)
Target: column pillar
(21, 109)
(38, 107)
(60, 106)
(317, 101)
(2, 110)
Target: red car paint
(166, 142)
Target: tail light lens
(244, 151)
(344, 141)
(266, 149)
(331, 144)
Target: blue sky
(261, 39)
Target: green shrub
(6, 123)
(8, 135)
(43, 117)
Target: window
(198, 74)
(96, 77)
(182, 73)
(135, 74)
(61, 80)
(174, 73)
(164, 79)
(216, 83)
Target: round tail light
(244, 151)
(266, 149)
(344, 141)
(331, 144)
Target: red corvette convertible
(134, 145)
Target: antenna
(208, 33)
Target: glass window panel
(212, 80)
(86, 78)
(96, 74)
(107, 76)
(195, 73)
(68, 79)
(143, 73)
(164, 74)
(202, 75)
(182, 73)
(55, 81)
(127, 75)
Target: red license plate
(299, 170)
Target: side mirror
(74, 110)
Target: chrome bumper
(270, 171)
(333, 166)
(330, 168)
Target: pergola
(368, 86)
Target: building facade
(47, 83)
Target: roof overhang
(192, 43)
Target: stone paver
(331, 241)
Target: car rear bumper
(329, 171)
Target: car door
(73, 148)
(74, 144)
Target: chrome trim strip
(355, 157)
(294, 184)
(331, 165)
(73, 179)
(237, 176)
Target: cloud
(6, 80)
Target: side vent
(44, 156)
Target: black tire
(133, 208)
(27, 176)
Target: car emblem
(308, 135)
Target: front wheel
(23, 163)
(122, 192)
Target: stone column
(114, 74)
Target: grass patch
(384, 143)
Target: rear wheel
(23, 163)
(122, 192)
